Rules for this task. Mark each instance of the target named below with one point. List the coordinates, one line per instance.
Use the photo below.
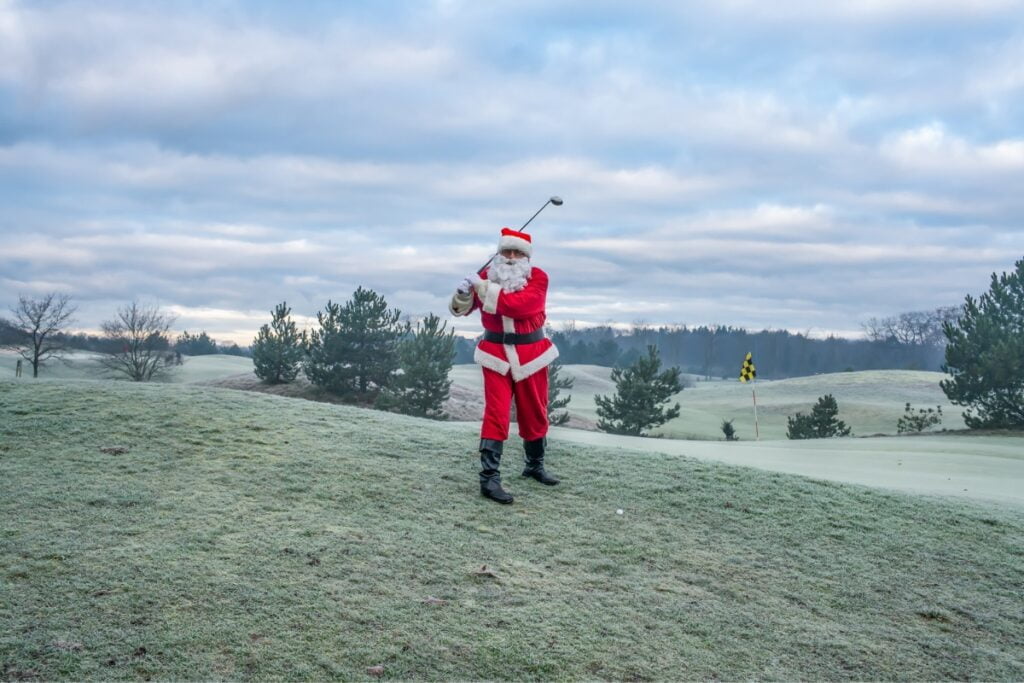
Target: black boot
(535, 462)
(490, 477)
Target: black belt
(511, 338)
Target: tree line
(912, 341)
(714, 351)
(908, 341)
(361, 351)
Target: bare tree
(140, 335)
(39, 323)
(916, 328)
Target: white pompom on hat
(512, 239)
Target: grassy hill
(82, 365)
(871, 401)
(241, 535)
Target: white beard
(511, 274)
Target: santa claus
(514, 355)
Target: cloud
(932, 149)
(194, 62)
(788, 165)
(869, 11)
(764, 220)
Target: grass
(82, 365)
(871, 402)
(249, 536)
(987, 469)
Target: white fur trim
(481, 357)
(508, 325)
(517, 243)
(491, 297)
(513, 357)
(461, 304)
(521, 372)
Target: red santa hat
(512, 239)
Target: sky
(786, 165)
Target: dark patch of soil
(12, 674)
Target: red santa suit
(518, 370)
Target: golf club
(557, 201)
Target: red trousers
(531, 396)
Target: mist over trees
(916, 328)
(195, 344)
(9, 334)
(717, 351)
(81, 341)
(202, 344)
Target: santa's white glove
(467, 285)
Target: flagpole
(748, 371)
(753, 391)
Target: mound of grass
(871, 402)
(84, 365)
(182, 532)
(209, 367)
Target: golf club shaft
(482, 268)
(534, 215)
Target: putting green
(985, 468)
(871, 402)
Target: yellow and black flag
(748, 372)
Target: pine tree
(278, 348)
(985, 355)
(822, 423)
(556, 383)
(642, 392)
(915, 423)
(423, 385)
(354, 353)
(195, 344)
